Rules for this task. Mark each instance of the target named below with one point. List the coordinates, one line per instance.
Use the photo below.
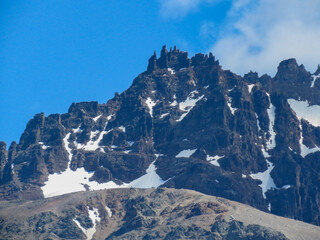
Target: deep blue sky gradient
(53, 53)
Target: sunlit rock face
(183, 123)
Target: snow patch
(150, 103)
(79, 180)
(96, 118)
(250, 86)
(149, 180)
(258, 123)
(214, 160)
(186, 153)
(109, 211)
(286, 186)
(93, 145)
(164, 115)
(44, 147)
(76, 181)
(94, 216)
(315, 77)
(130, 143)
(76, 130)
(171, 71)
(303, 148)
(304, 111)
(229, 105)
(193, 82)
(271, 143)
(265, 178)
(188, 104)
(265, 153)
(66, 146)
(122, 128)
(79, 226)
(269, 207)
(174, 103)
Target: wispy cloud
(259, 34)
(173, 9)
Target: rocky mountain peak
(289, 70)
(183, 123)
(251, 77)
(177, 59)
(317, 72)
(173, 59)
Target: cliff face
(184, 123)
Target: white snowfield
(271, 113)
(229, 101)
(258, 123)
(96, 118)
(44, 147)
(214, 160)
(303, 148)
(171, 71)
(265, 178)
(310, 113)
(109, 211)
(186, 153)
(188, 104)
(93, 145)
(150, 103)
(94, 216)
(95, 137)
(73, 181)
(315, 77)
(164, 115)
(304, 111)
(250, 86)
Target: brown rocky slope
(144, 214)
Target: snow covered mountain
(183, 123)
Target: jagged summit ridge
(177, 59)
(189, 124)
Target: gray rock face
(204, 128)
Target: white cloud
(172, 9)
(259, 34)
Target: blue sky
(53, 53)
